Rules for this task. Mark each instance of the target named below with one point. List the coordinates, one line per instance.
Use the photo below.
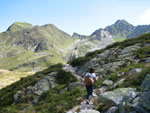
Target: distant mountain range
(123, 29)
(25, 47)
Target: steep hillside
(123, 69)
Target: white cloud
(145, 17)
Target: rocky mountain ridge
(123, 86)
(25, 47)
(123, 29)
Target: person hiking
(89, 80)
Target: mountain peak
(18, 26)
(121, 21)
(121, 28)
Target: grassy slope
(119, 39)
(58, 39)
(19, 25)
(9, 77)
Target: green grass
(52, 101)
(18, 26)
(119, 39)
(59, 103)
(9, 77)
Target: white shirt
(92, 75)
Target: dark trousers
(89, 90)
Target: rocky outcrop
(76, 35)
(115, 96)
(113, 109)
(139, 102)
(43, 85)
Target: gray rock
(145, 97)
(118, 83)
(17, 96)
(115, 96)
(105, 54)
(89, 111)
(130, 49)
(126, 56)
(137, 102)
(125, 106)
(113, 109)
(145, 86)
(102, 89)
(136, 70)
(147, 60)
(74, 85)
(107, 82)
(147, 45)
(144, 100)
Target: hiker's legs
(89, 92)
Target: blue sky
(81, 16)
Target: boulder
(125, 106)
(107, 82)
(130, 49)
(147, 45)
(136, 70)
(113, 109)
(145, 86)
(118, 83)
(147, 60)
(102, 89)
(137, 102)
(17, 96)
(89, 111)
(115, 96)
(145, 97)
(104, 54)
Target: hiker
(89, 80)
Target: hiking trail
(83, 107)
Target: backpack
(89, 81)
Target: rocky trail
(83, 107)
